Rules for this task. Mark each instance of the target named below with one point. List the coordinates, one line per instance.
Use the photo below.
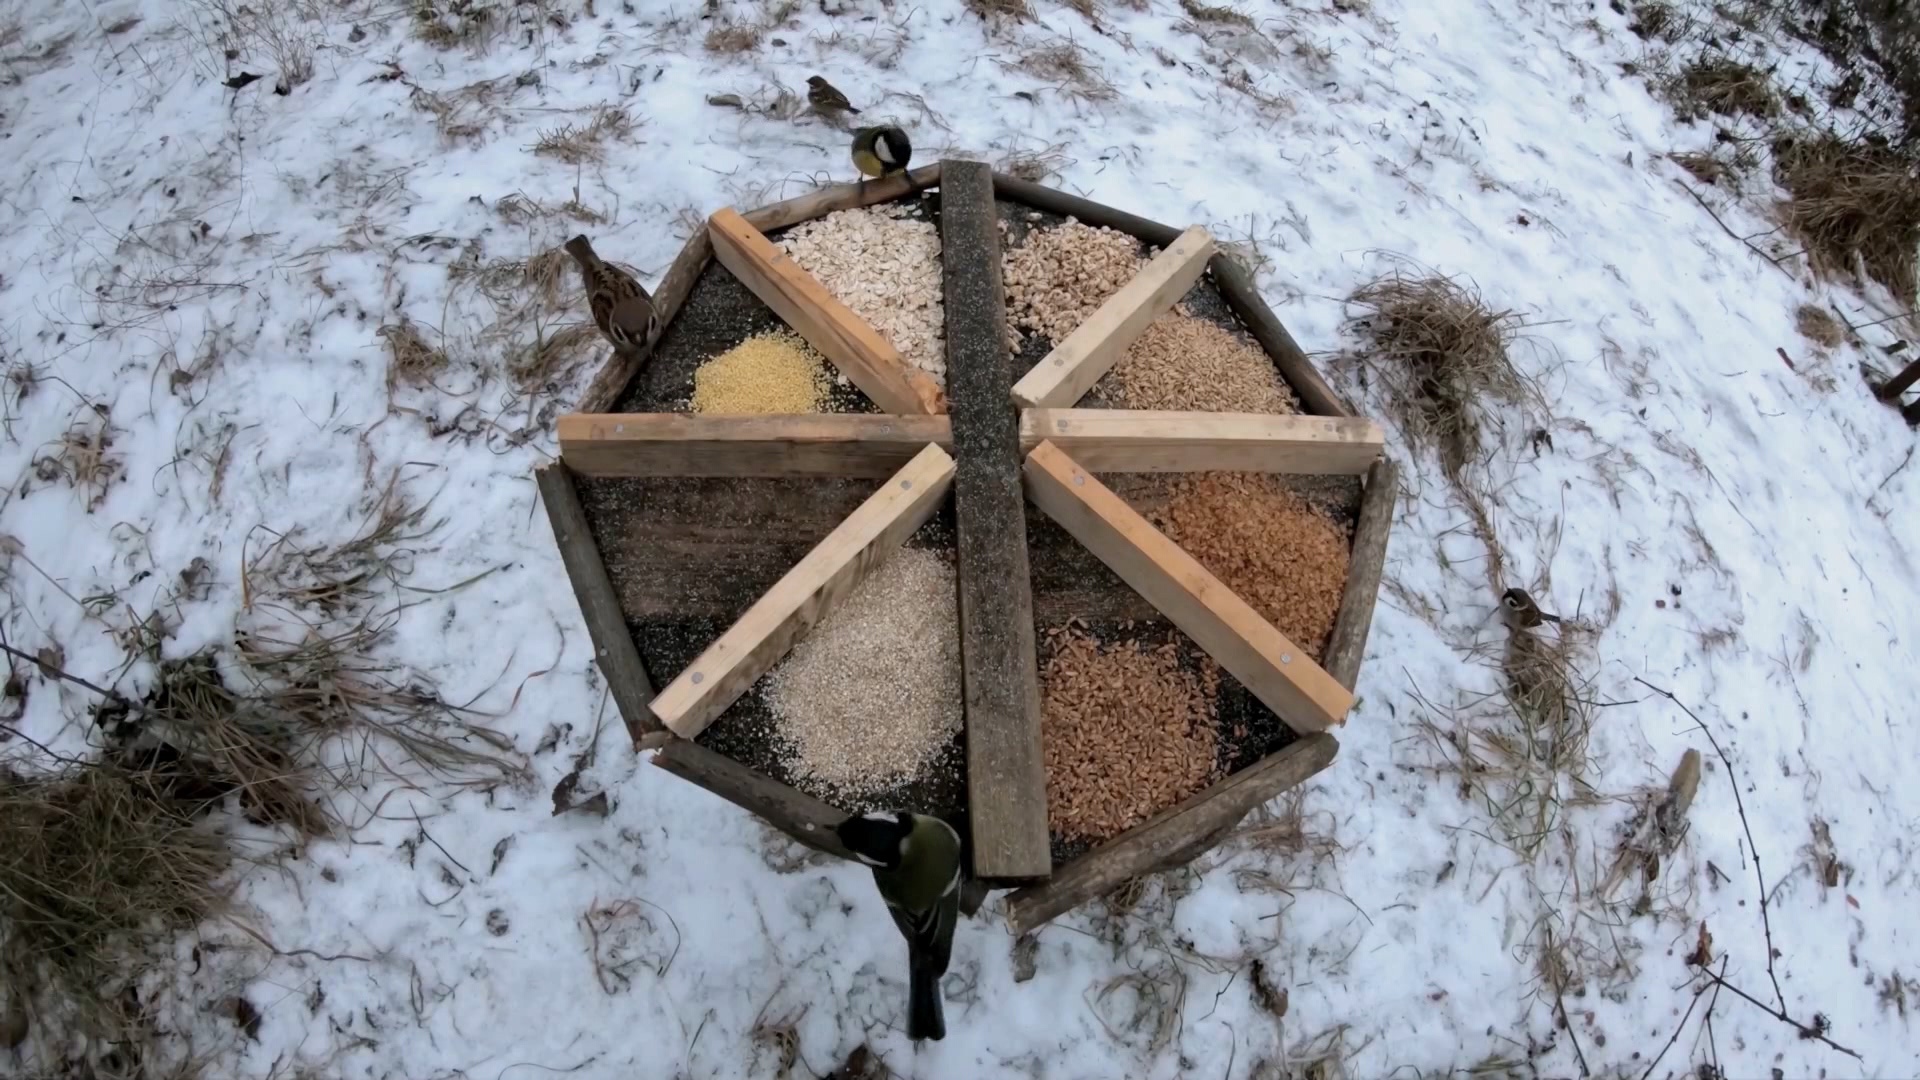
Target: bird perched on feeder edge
(881, 151)
(620, 306)
(1521, 612)
(916, 861)
(827, 98)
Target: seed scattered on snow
(775, 372)
(1185, 362)
(871, 695)
(884, 264)
(1126, 730)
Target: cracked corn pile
(871, 695)
(1063, 273)
(775, 372)
(1187, 363)
(884, 264)
(1127, 731)
(1281, 555)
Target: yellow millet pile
(775, 372)
(1127, 732)
(1063, 273)
(1185, 362)
(1270, 546)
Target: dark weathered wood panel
(1006, 779)
(1347, 644)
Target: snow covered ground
(204, 270)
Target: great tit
(881, 151)
(827, 98)
(1521, 612)
(620, 305)
(916, 862)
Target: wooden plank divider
(855, 348)
(1347, 644)
(1006, 774)
(690, 444)
(1273, 668)
(833, 197)
(1130, 440)
(761, 636)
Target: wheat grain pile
(1186, 362)
(1063, 273)
(1127, 731)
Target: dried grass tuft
(83, 457)
(411, 361)
(102, 867)
(578, 144)
(1065, 65)
(1656, 20)
(1723, 86)
(729, 38)
(1855, 205)
(455, 23)
(1441, 351)
(1723, 166)
(994, 10)
(1210, 13)
(1818, 327)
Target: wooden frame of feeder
(997, 627)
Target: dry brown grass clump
(1280, 554)
(1722, 85)
(1855, 205)
(1065, 65)
(578, 144)
(84, 458)
(1017, 10)
(1184, 362)
(1726, 165)
(730, 37)
(1818, 327)
(452, 23)
(1128, 732)
(1656, 20)
(1440, 350)
(101, 868)
(1210, 13)
(411, 361)
(1062, 274)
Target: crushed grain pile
(1185, 362)
(883, 262)
(871, 695)
(1127, 731)
(1063, 273)
(775, 372)
(1280, 554)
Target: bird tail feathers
(925, 1017)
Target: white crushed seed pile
(1063, 273)
(1185, 362)
(883, 262)
(871, 695)
(1127, 732)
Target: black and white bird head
(878, 838)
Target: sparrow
(620, 305)
(881, 151)
(827, 98)
(916, 861)
(1521, 612)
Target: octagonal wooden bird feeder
(703, 547)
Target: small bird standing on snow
(916, 864)
(881, 151)
(1521, 612)
(620, 305)
(827, 98)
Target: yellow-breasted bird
(827, 98)
(916, 862)
(881, 151)
(620, 305)
(1521, 612)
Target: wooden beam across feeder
(613, 648)
(1171, 834)
(1128, 440)
(792, 811)
(1347, 644)
(855, 348)
(826, 200)
(753, 644)
(1273, 668)
(1064, 376)
(1006, 772)
(690, 444)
